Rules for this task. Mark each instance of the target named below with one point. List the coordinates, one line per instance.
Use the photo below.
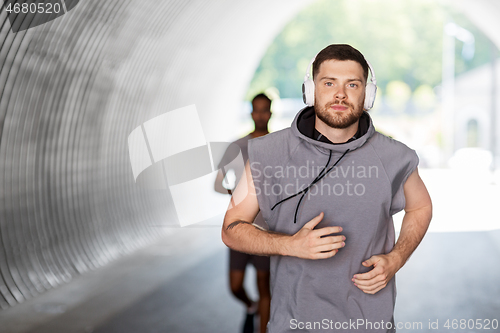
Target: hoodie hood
(304, 116)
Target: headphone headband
(309, 68)
(373, 79)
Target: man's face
(261, 112)
(339, 92)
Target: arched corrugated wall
(73, 89)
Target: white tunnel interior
(73, 90)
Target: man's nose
(340, 93)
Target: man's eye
(329, 84)
(352, 85)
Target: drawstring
(317, 179)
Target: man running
(261, 113)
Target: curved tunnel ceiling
(73, 89)
(484, 14)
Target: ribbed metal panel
(73, 89)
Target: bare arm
(418, 214)
(218, 184)
(241, 235)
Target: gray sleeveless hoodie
(360, 194)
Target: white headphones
(308, 88)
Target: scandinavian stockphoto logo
(164, 156)
(26, 14)
(342, 180)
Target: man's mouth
(338, 107)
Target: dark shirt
(306, 125)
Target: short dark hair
(263, 96)
(340, 52)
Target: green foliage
(398, 94)
(401, 39)
(424, 97)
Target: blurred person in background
(261, 113)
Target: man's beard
(339, 119)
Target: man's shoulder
(243, 141)
(387, 145)
(274, 136)
(275, 145)
(395, 156)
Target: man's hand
(385, 267)
(308, 243)
(418, 214)
(240, 235)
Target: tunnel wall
(73, 89)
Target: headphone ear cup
(370, 93)
(308, 92)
